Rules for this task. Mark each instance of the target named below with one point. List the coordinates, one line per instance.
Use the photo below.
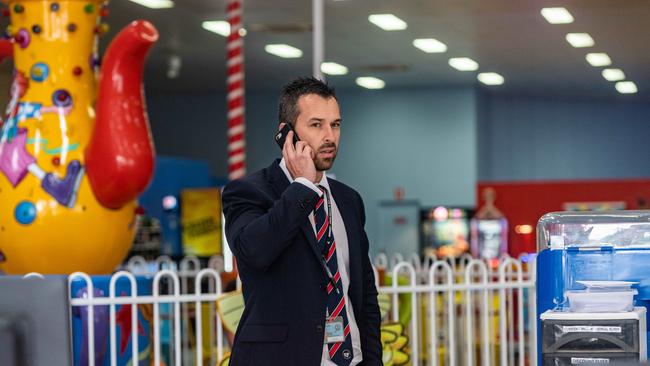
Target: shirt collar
(323, 182)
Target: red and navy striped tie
(340, 353)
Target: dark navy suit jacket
(284, 284)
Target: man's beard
(323, 164)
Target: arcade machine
(445, 231)
(489, 230)
(593, 287)
(163, 203)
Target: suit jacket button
(319, 329)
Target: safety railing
(464, 311)
(452, 312)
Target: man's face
(319, 124)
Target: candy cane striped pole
(235, 97)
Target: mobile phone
(281, 136)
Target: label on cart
(590, 329)
(580, 360)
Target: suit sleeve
(258, 229)
(371, 334)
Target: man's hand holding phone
(298, 158)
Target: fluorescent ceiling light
(332, 68)
(463, 64)
(387, 22)
(220, 27)
(598, 59)
(370, 82)
(613, 74)
(580, 40)
(557, 15)
(283, 50)
(155, 4)
(490, 78)
(626, 87)
(430, 45)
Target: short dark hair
(288, 105)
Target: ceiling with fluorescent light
(504, 36)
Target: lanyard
(329, 240)
(330, 231)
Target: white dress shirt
(342, 256)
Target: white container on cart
(602, 296)
(583, 301)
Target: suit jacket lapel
(308, 230)
(279, 182)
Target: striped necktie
(340, 353)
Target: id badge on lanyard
(334, 330)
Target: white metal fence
(184, 310)
(467, 311)
(455, 312)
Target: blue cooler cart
(593, 287)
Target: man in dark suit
(301, 248)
